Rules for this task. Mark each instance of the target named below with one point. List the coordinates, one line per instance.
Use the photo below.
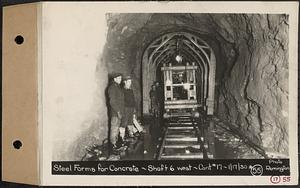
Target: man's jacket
(116, 99)
(129, 98)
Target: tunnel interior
(180, 49)
(241, 59)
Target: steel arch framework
(194, 49)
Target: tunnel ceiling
(191, 48)
(251, 64)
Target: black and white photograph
(191, 86)
(161, 84)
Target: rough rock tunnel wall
(254, 92)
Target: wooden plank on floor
(181, 123)
(192, 139)
(181, 131)
(196, 146)
(210, 156)
(183, 156)
(181, 127)
(182, 143)
(180, 136)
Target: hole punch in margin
(17, 144)
(19, 39)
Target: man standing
(116, 104)
(154, 107)
(159, 95)
(130, 106)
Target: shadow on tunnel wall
(108, 110)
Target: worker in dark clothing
(116, 103)
(153, 98)
(130, 106)
(159, 99)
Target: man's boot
(115, 154)
(122, 135)
(130, 129)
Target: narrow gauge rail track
(185, 138)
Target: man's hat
(115, 75)
(127, 78)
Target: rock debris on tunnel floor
(231, 145)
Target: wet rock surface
(254, 95)
(230, 145)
